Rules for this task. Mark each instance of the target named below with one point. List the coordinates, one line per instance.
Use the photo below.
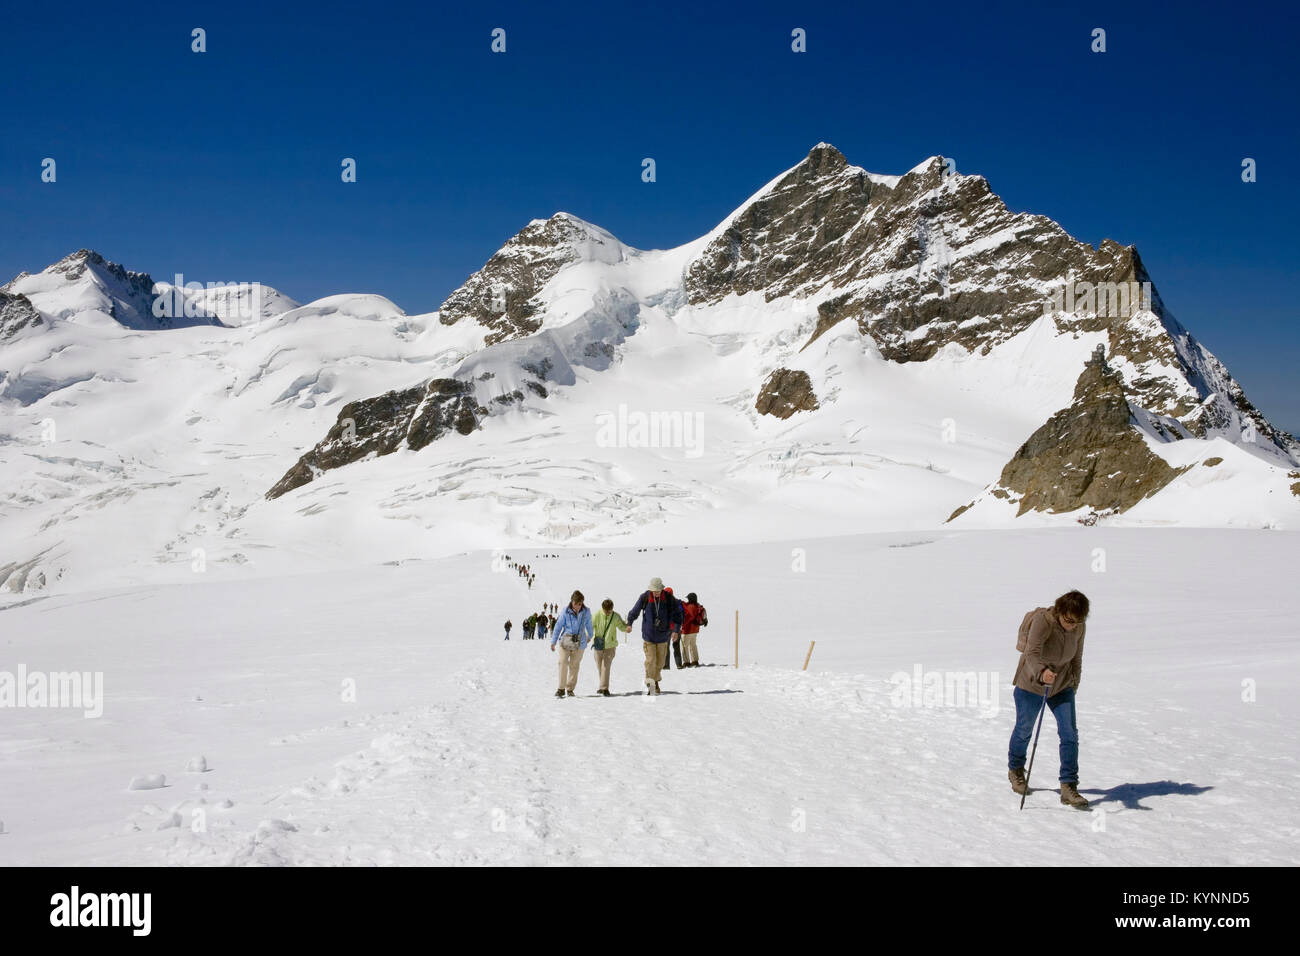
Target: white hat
(656, 584)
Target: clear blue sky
(225, 165)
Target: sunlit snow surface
(456, 751)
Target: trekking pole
(1037, 733)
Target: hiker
(694, 617)
(552, 622)
(1051, 659)
(572, 633)
(530, 626)
(508, 626)
(605, 626)
(661, 613)
(676, 639)
(541, 626)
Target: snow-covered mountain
(847, 352)
(86, 288)
(828, 259)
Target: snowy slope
(122, 452)
(455, 751)
(618, 390)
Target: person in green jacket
(605, 627)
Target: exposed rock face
(16, 313)
(500, 296)
(411, 418)
(928, 260)
(1086, 455)
(785, 392)
(931, 259)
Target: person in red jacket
(677, 633)
(694, 616)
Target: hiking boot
(648, 688)
(1070, 795)
(1018, 782)
(571, 694)
(560, 692)
(656, 687)
(606, 693)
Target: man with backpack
(663, 616)
(1050, 642)
(694, 617)
(508, 626)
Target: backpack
(1023, 634)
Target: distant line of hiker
(666, 621)
(525, 571)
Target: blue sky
(225, 165)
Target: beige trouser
(655, 657)
(603, 660)
(690, 649)
(569, 661)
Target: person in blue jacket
(663, 616)
(572, 632)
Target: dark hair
(1072, 604)
(607, 605)
(692, 599)
(577, 596)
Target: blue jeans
(1062, 706)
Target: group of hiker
(524, 571)
(1050, 642)
(537, 624)
(665, 621)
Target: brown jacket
(1050, 645)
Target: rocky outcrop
(501, 295)
(16, 313)
(785, 392)
(1087, 455)
(411, 418)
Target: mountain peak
(500, 296)
(826, 153)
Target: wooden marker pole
(808, 656)
(737, 638)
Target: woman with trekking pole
(1051, 663)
